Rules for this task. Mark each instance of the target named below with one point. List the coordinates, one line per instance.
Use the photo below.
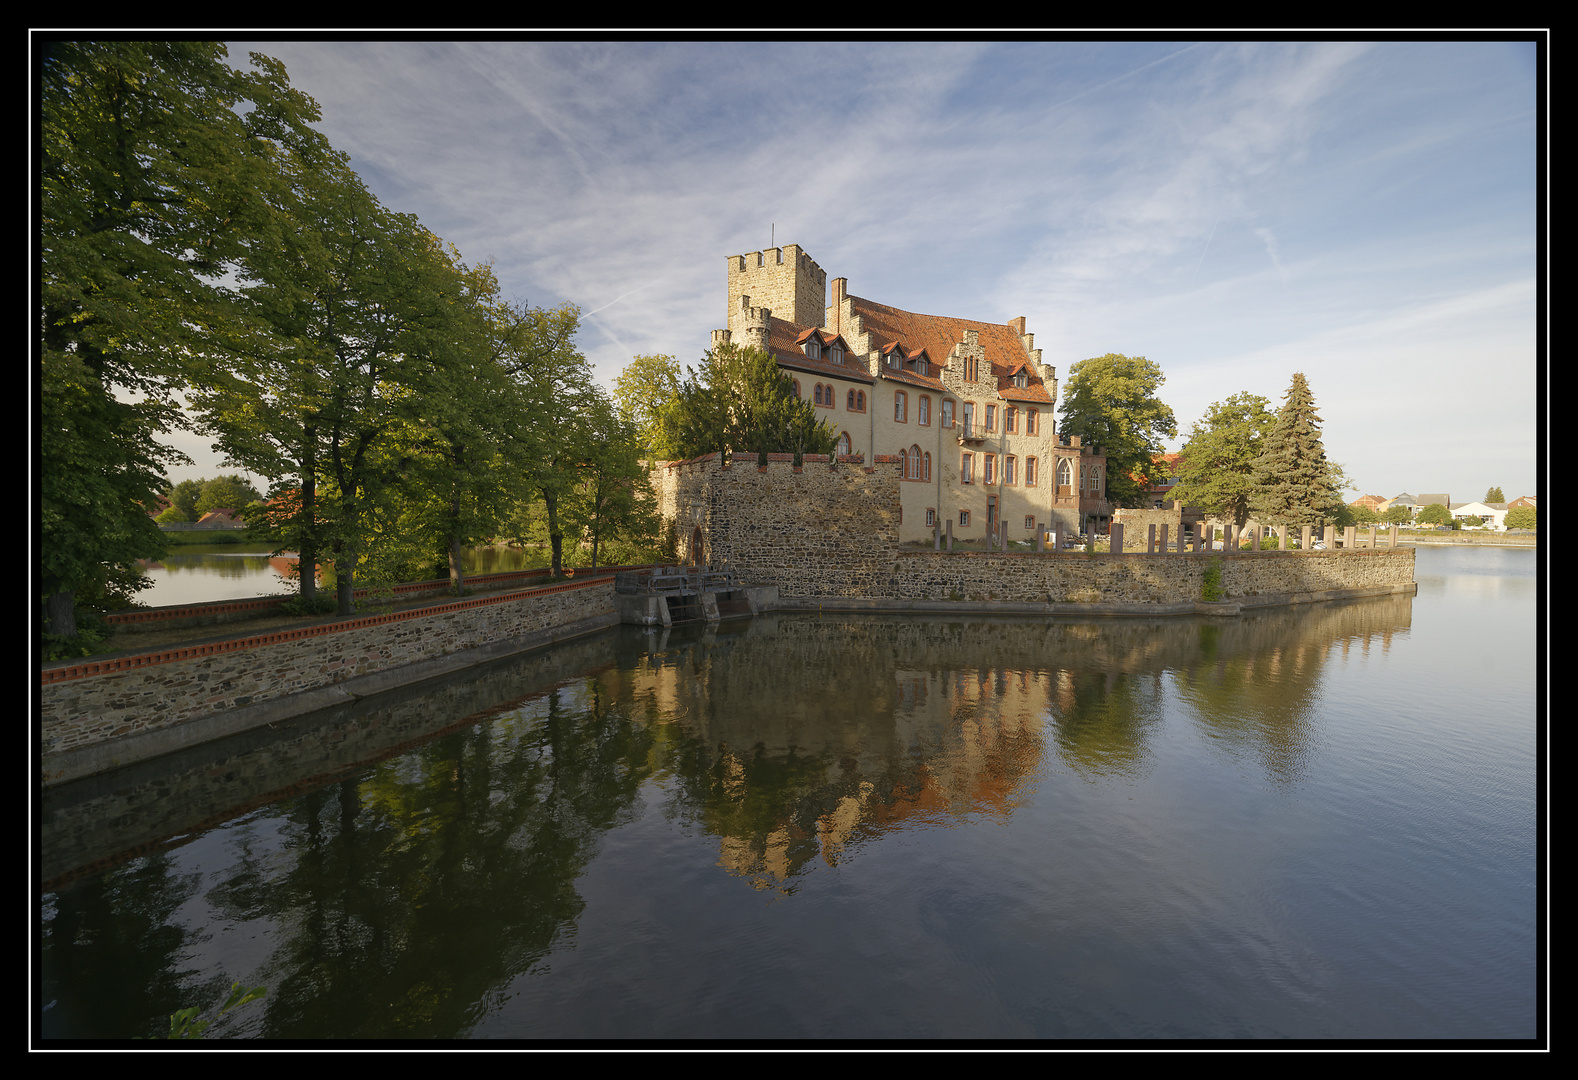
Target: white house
(1488, 515)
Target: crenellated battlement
(784, 280)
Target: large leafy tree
(368, 320)
(561, 412)
(1294, 482)
(1216, 467)
(156, 159)
(612, 497)
(458, 478)
(740, 401)
(643, 392)
(1111, 401)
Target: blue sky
(1235, 212)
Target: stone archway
(698, 549)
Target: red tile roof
(783, 342)
(938, 334)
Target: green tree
(1435, 514)
(1111, 401)
(1521, 517)
(1398, 515)
(457, 481)
(740, 401)
(154, 167)
(1295, 483)
(183, 497)
(364, 316)
(1216, 467)
(226, 492)
(643, 392)
(560, 409)
(1494, 495)
(612, 498)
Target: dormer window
(922, 367)
(836, 355)
(1021, 380)
(895, 359)
(813, 348)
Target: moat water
(201, 573)
(1312, 823)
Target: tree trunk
(307, 555)
(457, 572)
(344, 580)
(60, 613)
(555, 537)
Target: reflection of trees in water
(1255, 684)
(437, 877)
(792, 737)
(414, 891)
(111, 958)
(1104, 720)
(216, 565)
(402, 900)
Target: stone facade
(91, 702)
(830, 530)
(967, 407)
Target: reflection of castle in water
(795, 735)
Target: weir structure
(665, 595)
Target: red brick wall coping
(126, 663)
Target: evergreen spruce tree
(1294, 483)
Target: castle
(965, 408)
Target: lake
(1312, 823)
(201, 573)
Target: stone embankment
(99, 714)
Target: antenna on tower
(772, 237)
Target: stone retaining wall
(1079, 578)
(830, 530)
(95, 701)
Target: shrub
(1211, 583)
(1521, 517)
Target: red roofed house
(220, 518)
(966, 406)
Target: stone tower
(784, 280)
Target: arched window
(843, 443)
(860, 401)
(904, 464)
(819, 393)
(926, 468)
(900, 407)
(1065, 475)
(849, 401)
(796, 387)
(915, 464)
